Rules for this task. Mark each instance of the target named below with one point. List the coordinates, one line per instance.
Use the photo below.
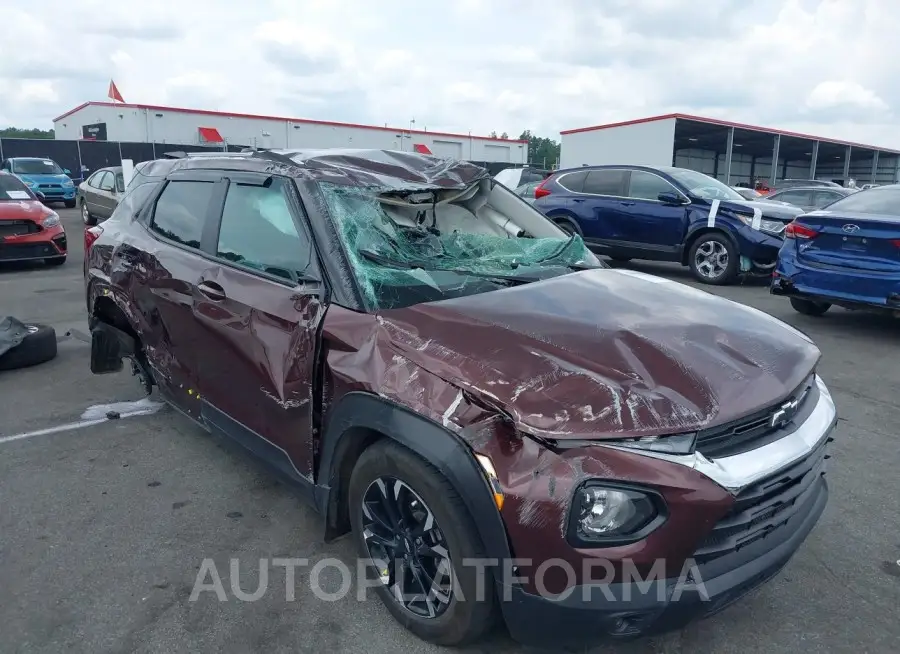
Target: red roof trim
(306, 121)
(210, 135)
(726, 123)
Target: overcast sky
(826, 67)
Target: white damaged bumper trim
(735, 473)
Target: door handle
(211, 290)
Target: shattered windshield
(438, 244)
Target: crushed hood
(606, 353)
(771, 210)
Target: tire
(809, 308)
(566, 224)
(86, 216)
(70, 204)
(719, 255)
(37, 347)
(457, 621)
(57, 261)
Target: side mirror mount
(67, 171)
(670, 197)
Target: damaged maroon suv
(506, 426)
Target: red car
(503, 424)
(28, 229)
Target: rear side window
(606, 182)
(821, 198)
(795, 197)
(572, 181)
(647, 186)
(180, 211)
(885, 201)
(258, 231)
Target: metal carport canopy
(711, 134)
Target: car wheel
(566, 225)
(38, 346)
(70, 204)
(414, 531)
(56, 261)
(713, 259)
(808, 307)
(86, 216)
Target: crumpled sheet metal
(605, 354)
(12, 332)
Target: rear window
(181, 210)
(883, 201)
(12, 189)
(606, 182)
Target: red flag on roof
(114, 92)
(421, 148)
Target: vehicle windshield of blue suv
(36, 167)
(703, 186)
(423, 245)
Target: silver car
(99, 194)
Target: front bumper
(780, 493)
(758, 246)
(55, 193)
(48, 244)
(844, 286)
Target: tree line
(16, 133)
(542, 151)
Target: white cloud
(821, 66)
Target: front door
(654, 229)
(259, 308)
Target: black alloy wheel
(407, 547)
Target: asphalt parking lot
(103, 529)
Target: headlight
(608, 515)
(770, 226)
(29, 184)
(68, 183)
(51, 221)
(673, 444)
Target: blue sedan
(846, 254)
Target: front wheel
(713, 259)
(414, 531)
(808, 307)
(70, 204)
(86, 216)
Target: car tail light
(91, 234)
(896, 242)
(541, 191)
(795, 230)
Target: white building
(151, 124)
(731, 152)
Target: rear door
(162, 282)
(825, 197)
(92, 197)
(646, 223)
(861, 231)
(601, 204)
(258, 305)
(802, 198)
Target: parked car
(28, 228)
(451, 379)
(847, 254)
(526, 191)
(99, 194)
(44, 175)
(748, 193)
(666, 214)
(810, 198)
(515, 177)
(792, 183)
(868, 186)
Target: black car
(812, 197)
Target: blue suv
(43, 176)
(667, 214)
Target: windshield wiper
(421, 265)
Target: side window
(96, 179)
(120, 183)
(647, 186)
(800, 198)
(821, 198)
(108, 182)
(606, 182)
(258, 231)
(181, 210)
(573, 181)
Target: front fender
(357, 415)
